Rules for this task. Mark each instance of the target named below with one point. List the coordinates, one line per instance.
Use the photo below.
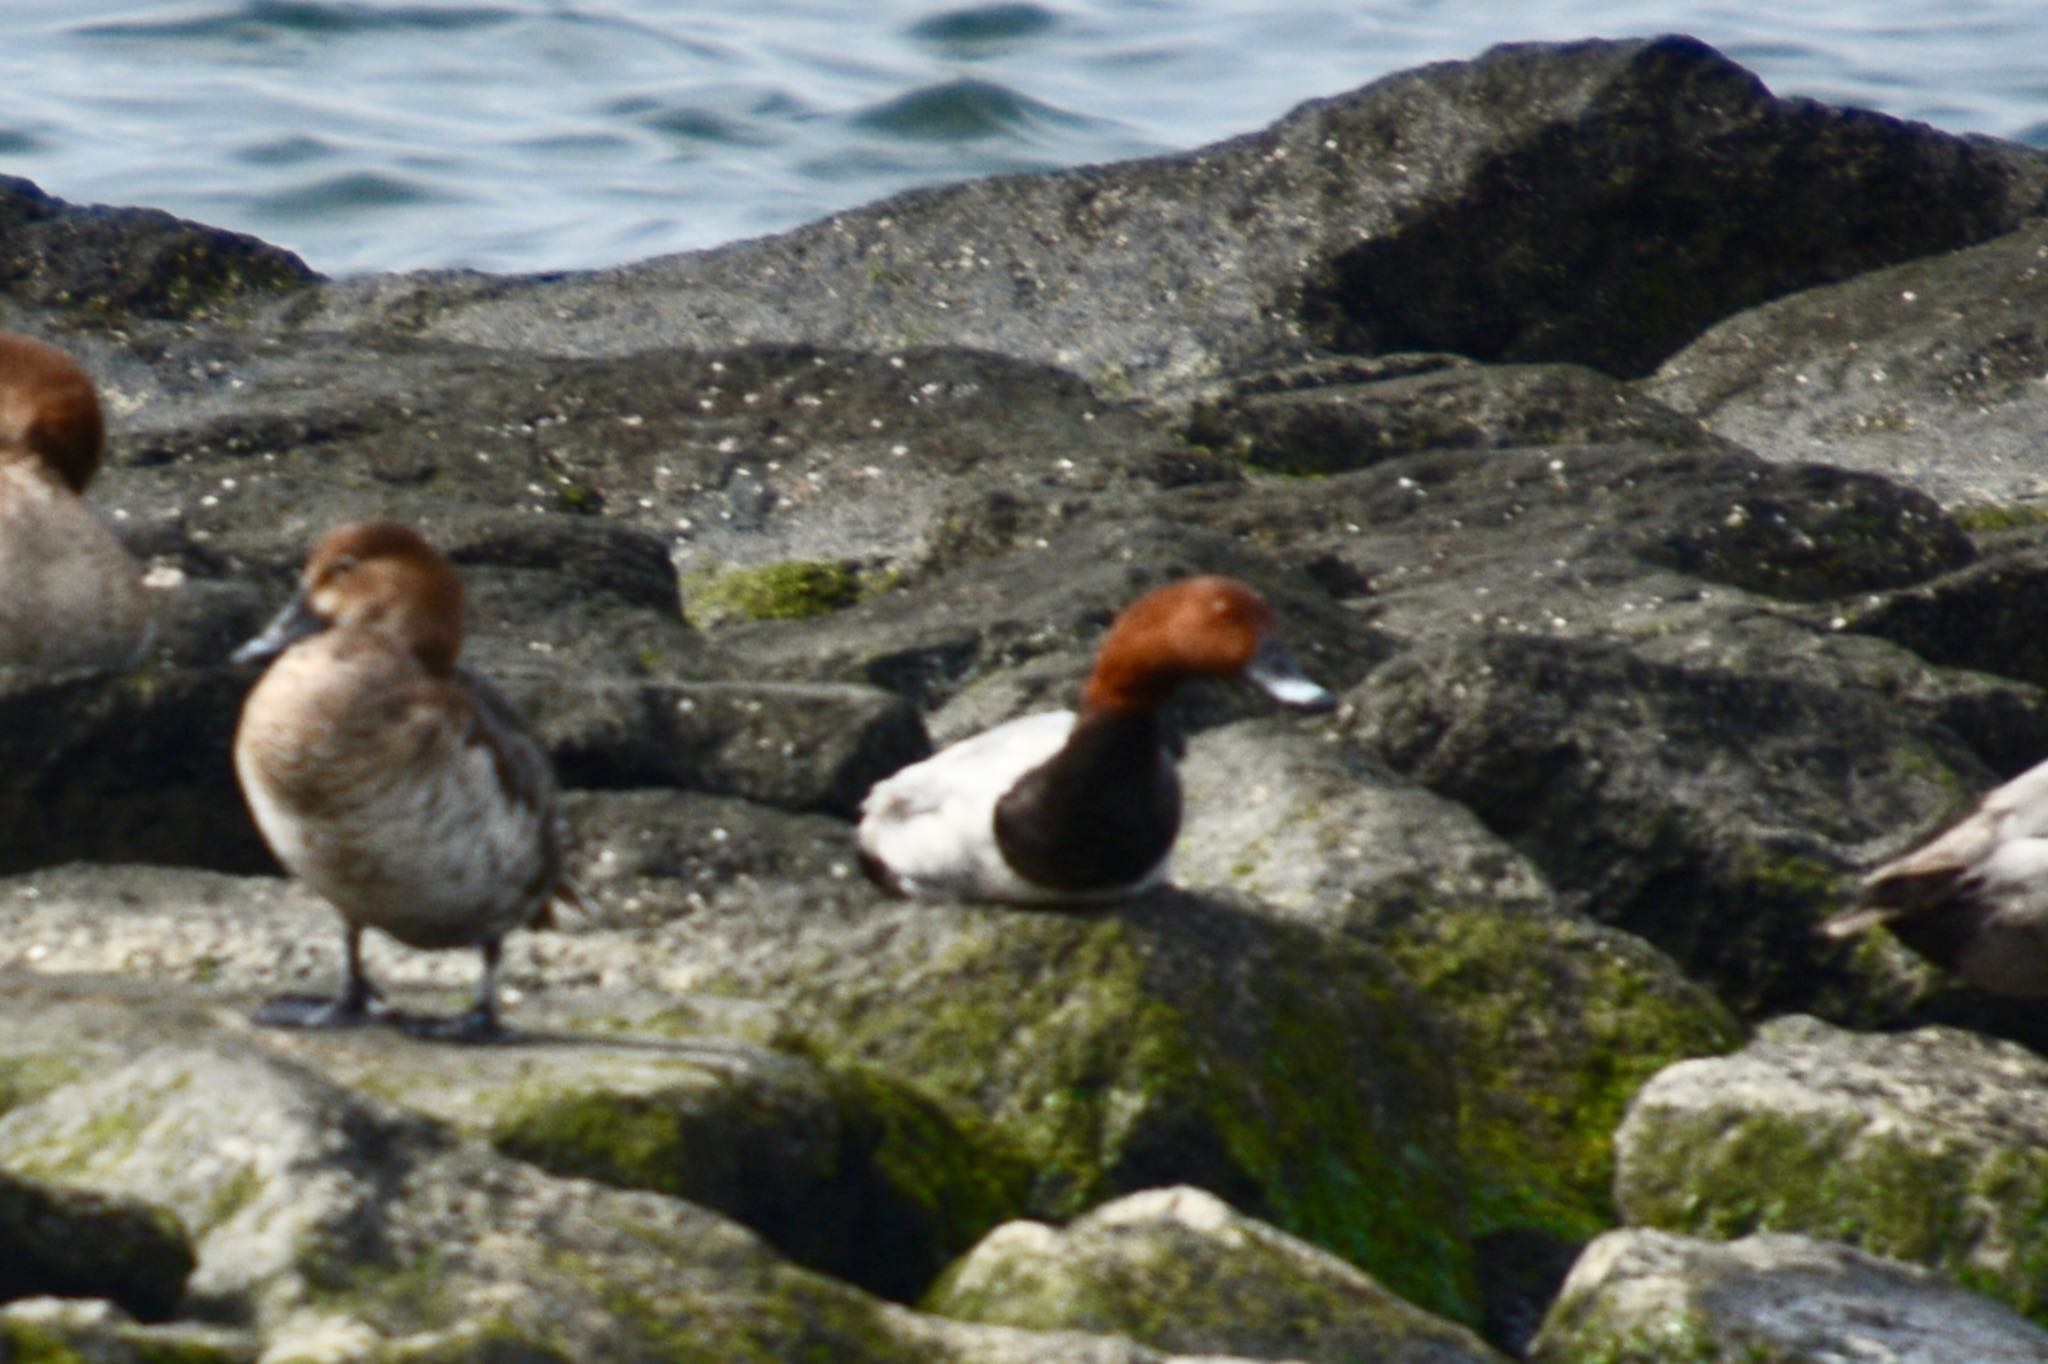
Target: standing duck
(400, 787)
(1973, 897)
(1073, 808)
(70, 595)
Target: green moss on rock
(1559, 1023)
(794, 589)
(843, 1168)
(75, 1243)
(1179, 1040)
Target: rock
(1024, 625)
(1927, 372)
(1127, 1049)
(1925, 1146)
(844, 1170)
(792, 745)
(1647, 1297)
(108, 264)
(1555, 1024)
(1323, 833)
(644, 853)
(74, 1243)
(1098, 1050)
(1484, 207)
(87, 1331)
(341, 1227)
(1716, 811)
(1333, 416)
(1181, 1270)
(1977, 617)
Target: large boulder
(341, 1227)
(1488, 207)
(1928, 372)
(1930, 1146)
(1182, 1270)
(1648, 1297)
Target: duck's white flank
(933, 823)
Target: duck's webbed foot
(308, 1012)
(358, 1003)
(476, 1026)
(481, 1023)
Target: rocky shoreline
(1653, 464)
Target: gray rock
(792, 745)
(1321, 832)
(1483, 207)
(111, 264)
(1330, 416)
(1714, 810)
(1647, 1297)
(1928, 373)
(1180, 1269)
(1925, 1146)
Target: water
(550, 134)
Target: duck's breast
(400, 797)
(70, 595)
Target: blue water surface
(548, 134)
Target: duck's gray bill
(1274, 671)
(296, 621)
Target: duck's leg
(481, 1023)
(359, 1000)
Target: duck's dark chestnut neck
(1100, 813)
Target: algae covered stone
(1929, 1146)
(843, 1169)
(91, 1331)
(1175, 1039)
(1648, 1297)
(1557, 1022)
(1181, 1270)
(81, 1244)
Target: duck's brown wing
(529, 781)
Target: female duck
(1060, 808)
(395, 784)
(70, 595)
(1973, 898)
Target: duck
(1973, 896)
(74, 596)
(1077, 807)
(398, 786)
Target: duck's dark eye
(340, 568)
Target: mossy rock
(1180, 1270)
(89, 1331)
(1560, 1021)
(1649, 1297)
(842, 1168)
(1929, 1147)
(794, 589)
(1177, 1039)
(75, 1243)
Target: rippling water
(544, 134)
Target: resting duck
(1065, 808)
(70, 595)
(1972, 898)
(400, 787)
